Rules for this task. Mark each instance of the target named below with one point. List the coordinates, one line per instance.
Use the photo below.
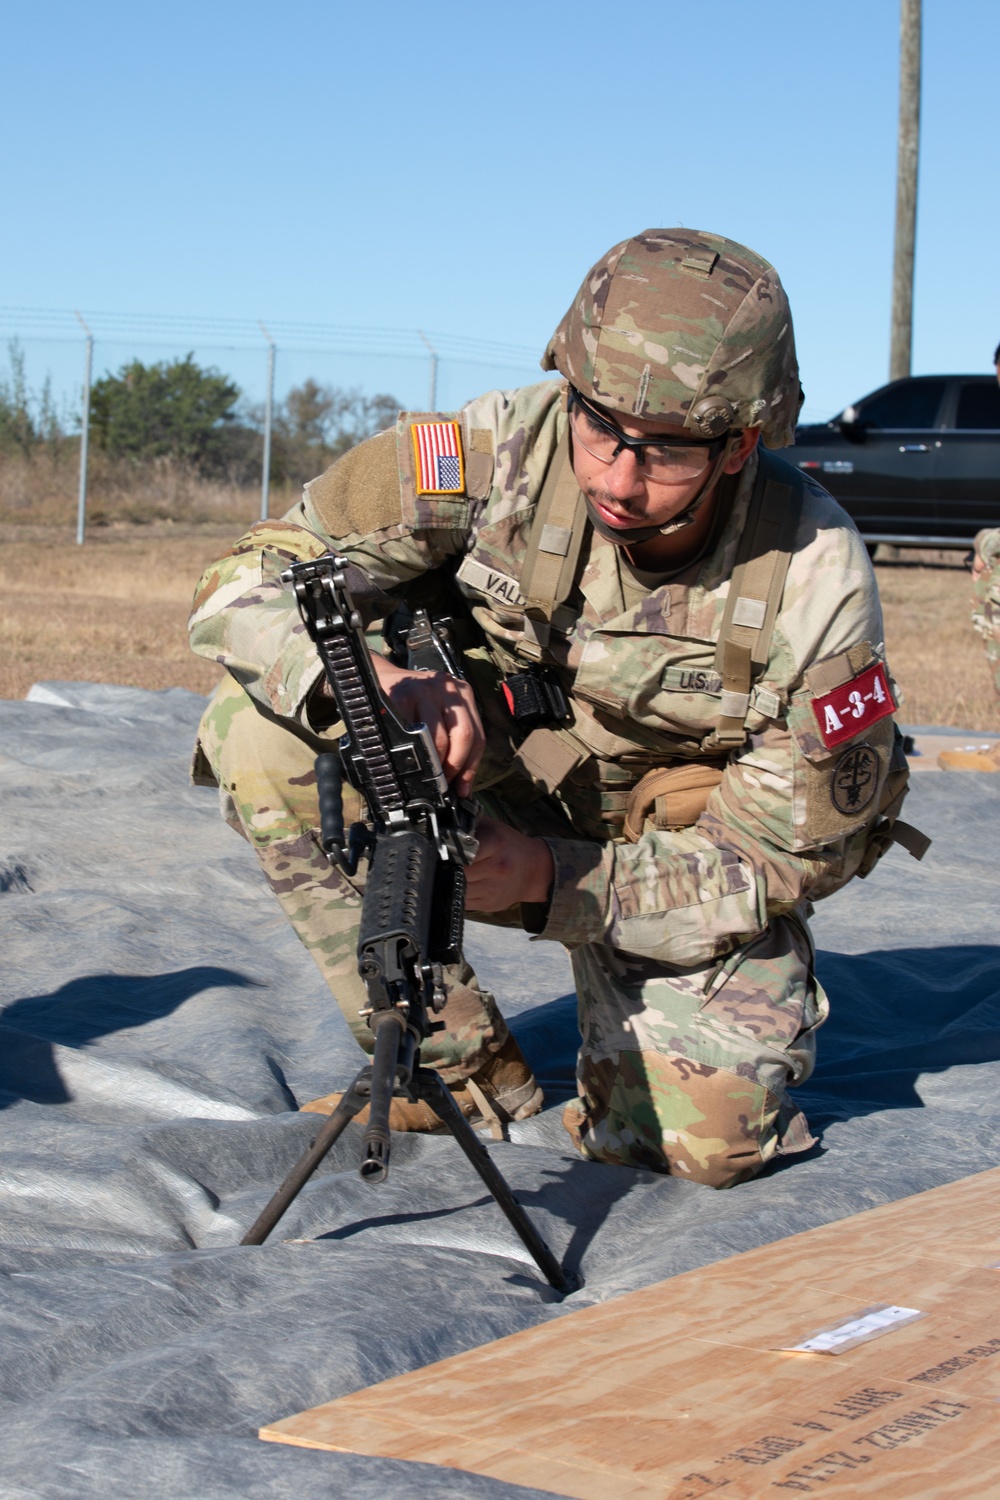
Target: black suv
(916, 463)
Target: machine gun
(421, 839)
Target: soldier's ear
(748, 441)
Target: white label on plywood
(870, 1324)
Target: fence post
(81, 508)
(265, 481)
(432, 400)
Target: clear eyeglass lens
(675, 463)
(659, 464)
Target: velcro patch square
(853, 707)
(437, 451)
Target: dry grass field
(936, 657)
(114, 610)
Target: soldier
(616, 538)
(986, 620)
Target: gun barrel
(390, 1033)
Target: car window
(912, 405)
(979, 405)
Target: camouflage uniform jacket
(789, 821)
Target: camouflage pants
(683, 1071)
(693, 1065)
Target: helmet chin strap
(634, 536)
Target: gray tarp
(160, 1024)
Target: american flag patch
(437, 448)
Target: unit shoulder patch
(439, 462)
(851, 708)
(855, 780)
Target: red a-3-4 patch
(854, 706)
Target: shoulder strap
(549, 567)
(755, 591)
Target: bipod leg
(353, 1101)
(427, 1085)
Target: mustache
(613, 503)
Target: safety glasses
(663, 460)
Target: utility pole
(432, 402)
(265, 481)
(88, 369)
(906, 189)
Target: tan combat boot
(984, 757)
(503, 1089)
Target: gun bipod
(425, 1084)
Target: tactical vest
(615, 786)
(596, 770)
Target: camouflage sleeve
(772, 833)
(246, 619)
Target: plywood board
(682, 1390)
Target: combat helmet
(687, 328)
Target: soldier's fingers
(447, 705)
(466, 739)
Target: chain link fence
(50, 359)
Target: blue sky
(457, 167)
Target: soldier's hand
(447, 706)
(509, 868)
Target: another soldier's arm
(986, 596)
(986, 553)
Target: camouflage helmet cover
(688, 327)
